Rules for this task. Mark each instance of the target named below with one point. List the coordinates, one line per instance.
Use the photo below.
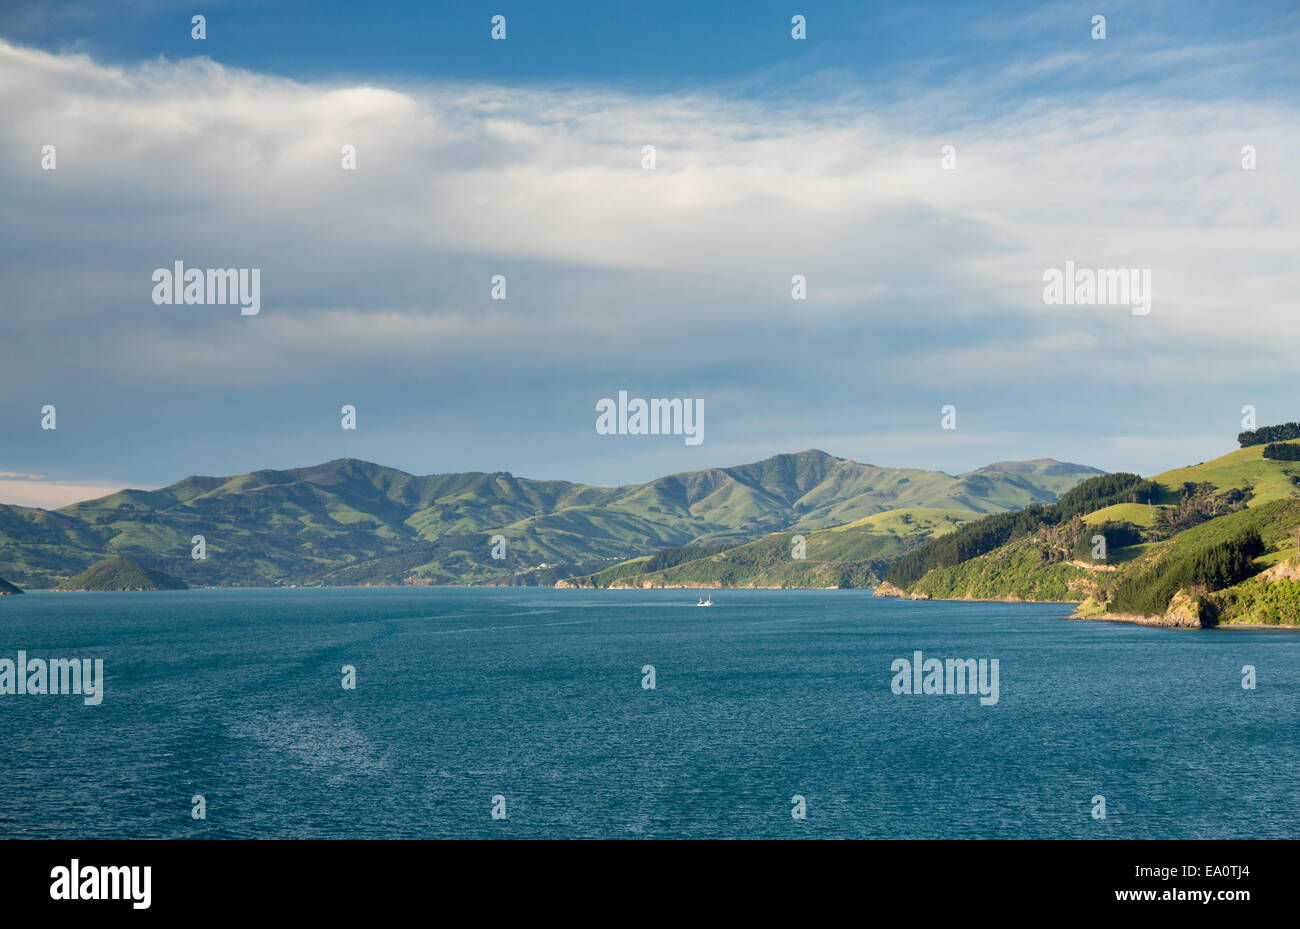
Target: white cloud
(915, 274)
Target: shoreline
(1127, 618)
(1133, 619)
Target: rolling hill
(120, 574)
(1217, 542)
(853, 555)
(349, 522)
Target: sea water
(620, 713)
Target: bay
(536, 696)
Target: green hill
(1214, 542)
(6, 588)
(350, 522)
(1246, 469)
(120, 574)
(852, 555)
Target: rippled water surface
(535, 695)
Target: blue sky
(774, 157)
(740, 45)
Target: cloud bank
(924, 285)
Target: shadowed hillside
(353, 522)
(120, 574)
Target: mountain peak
(813, 453)
(354, 521)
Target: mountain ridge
(350, 521)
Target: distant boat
(708, 602)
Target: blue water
(535, 695)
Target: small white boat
(708, 602)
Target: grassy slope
(37, 543)
(848, 555)
(1020, 570)
(120, 574)
(1139, 514)
(1246, 468)
(1270, 598)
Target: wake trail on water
(571, 622)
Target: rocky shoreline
(1185, 611)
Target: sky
(524, 157)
